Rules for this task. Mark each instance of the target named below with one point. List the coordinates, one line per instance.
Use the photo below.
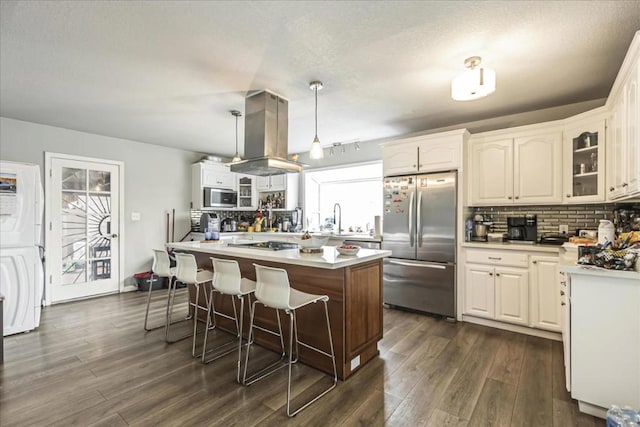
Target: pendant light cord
(237, 136)
(316, 91)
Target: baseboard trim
(556, 336)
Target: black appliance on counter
(522, 228)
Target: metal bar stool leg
(146, 315)
(333, 360)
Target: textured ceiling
(168, 73)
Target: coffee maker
(522, 229)
(210, 221)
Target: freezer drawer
(419, 285)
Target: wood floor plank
(533, 405)
(114, 420)
(441, 418)
(495, 404)
(462, 394)
(508, 361)
(402, 380)
(374, 411)
(558, 372)
(91, 363)
(418, 405)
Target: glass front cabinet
(584, 178)
(247, 195)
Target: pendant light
(237, 157)
(316, 151)
(476, 82)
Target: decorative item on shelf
(316, 151)
(294, 157)
(476, 82)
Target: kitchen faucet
(337, 205)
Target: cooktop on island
(269, 245)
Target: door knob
(114, 235)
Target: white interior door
(82, 244)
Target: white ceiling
(168, 72)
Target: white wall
(156, 179)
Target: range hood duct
(266, 133)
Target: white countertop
(591, 270)
(346, 236)
(512, 246)
(329, 258)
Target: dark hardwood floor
(91, 363)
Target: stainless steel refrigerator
(420, 231)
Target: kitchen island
(353, 284)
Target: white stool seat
(188, 273)
(227, 280)
(160, 268)
(299, 299)
(273, 290)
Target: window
(358, 191)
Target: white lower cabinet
(514, 287)
(497, 293)
(480, 291)
(546, 308)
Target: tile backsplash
(582, 217)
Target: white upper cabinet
(491, 172)
(217, 176)
(523, 168)
(428, 153)
(623, 147)
(584, 164)
(283, 187)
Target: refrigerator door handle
(410, 218)
(419, 219)
(410, 264)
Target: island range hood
(266, 132)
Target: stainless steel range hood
(266, 132)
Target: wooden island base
(355, 311)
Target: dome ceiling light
(476, 82)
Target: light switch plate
(564, 228)
(135, 216)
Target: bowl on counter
(348, 250)
(314, 242)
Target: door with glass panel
(83, 249)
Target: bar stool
(227, 280)
(160, 268)
(188, 273)
(274, 290)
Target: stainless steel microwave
(220, 198)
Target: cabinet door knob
(568, 195)
(414, 166)
(517, 197)
(624, 184)
(563, 283)
(490, 274)
(562, 293)
(498, 274)
(534, 262)
(563, 303)
(612, 188)
(509, 197)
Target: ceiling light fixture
(476, 82)
(316, 151)
(237, 157)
